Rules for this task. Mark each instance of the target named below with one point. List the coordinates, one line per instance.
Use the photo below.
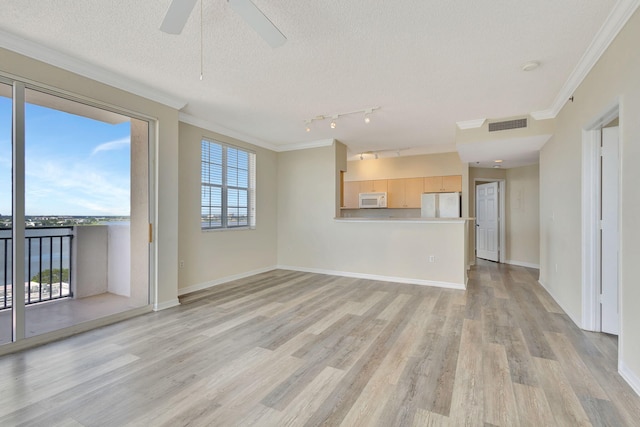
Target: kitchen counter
(400, 220)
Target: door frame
(591, 194)
(502, 187)
(20, 84)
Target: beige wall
(405, 167)
(166, 155)
(309, 237)
(212, 256)
(523, 216)
(615, 76)
(139, 216)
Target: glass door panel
(6, 316)
(83, 233)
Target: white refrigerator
(440, 205)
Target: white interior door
(609, 233)
(487, 221)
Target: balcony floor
(53, 315)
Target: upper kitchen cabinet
(404, 192)
(350, 194)
(443, 184)
(374, 186)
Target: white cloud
(112, 145)
(73, 189)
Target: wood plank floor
(289, 348)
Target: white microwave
(372, 200)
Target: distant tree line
(47, 276)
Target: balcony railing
(48, 256)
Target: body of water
(48, 247)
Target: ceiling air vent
(509, 124)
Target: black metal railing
(48, 255)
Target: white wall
(90, 265)
(213, 256)
(523, 216)
(119, 259)
(165, 162)
(615, 76)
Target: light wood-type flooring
(289, 348)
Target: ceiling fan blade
(177, 15)
(258, 21)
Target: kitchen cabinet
(442, 184)
(373, 186)
(350, 194)
(404, 192)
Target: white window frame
(225, 187)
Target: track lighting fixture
(371, 155)
(367, 115)
(334, 117)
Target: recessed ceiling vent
(509, 124)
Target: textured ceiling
(426, 63)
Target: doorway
(490, 233)
(487, 220)
(601, 213)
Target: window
(228, 187)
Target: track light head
(367, 115)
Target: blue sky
(74, 165)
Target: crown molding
(305, 145)
(620, 14)
(470, 124)
(214, 127)
(66, 62)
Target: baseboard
(167, 304)
(448, 285)
(220, 281)
(573, 319)
(522, 264)
(629, 376)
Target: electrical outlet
(432, 258)
(181, 263)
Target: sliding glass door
(6, 315)
(81, 215)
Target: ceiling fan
(179, 11)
